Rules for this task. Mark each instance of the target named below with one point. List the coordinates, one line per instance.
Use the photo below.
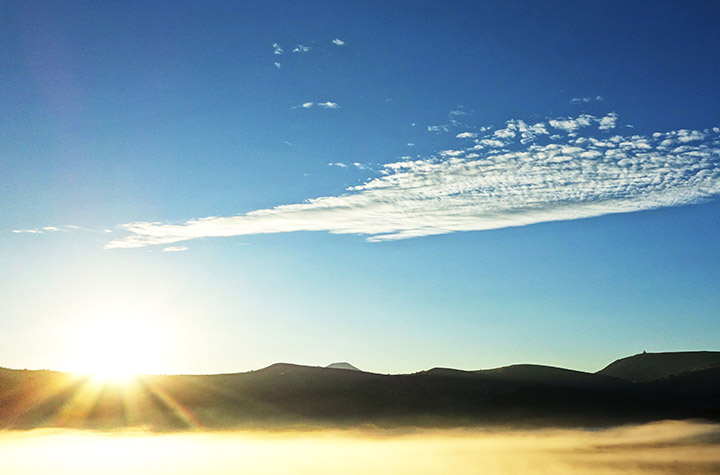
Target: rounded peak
(342, 365)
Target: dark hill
(647, 367)
(292, 396)
(552, 376)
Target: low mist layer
(658, 448)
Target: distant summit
(342, 365)
(646, 367)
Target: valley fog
(658, 448)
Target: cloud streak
(43, 230)
(322, 105)
(585, 100)
(518, 177)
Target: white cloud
(608, 122)
(585, 100)
(490, 143)
(506, 133)
(175, 249)
(528, 133)
(278, 65)
(438, 129)
(323, 105)
(466, 135)
(43, 230)
(277, 49)
(685, 136)
(571, 125)
(358, 165)
(527, 183)
(301, 49)
(338, 41)
(452, 119)
(451, 153)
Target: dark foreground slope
(285, 395)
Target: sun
(111, 366)
(116, 349)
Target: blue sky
(400, 185)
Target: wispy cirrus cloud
(585, 100)
(439, 128)
(453, 120)
(357, 165)
(322, 105)
(43, 230)
(61, 229)
(525, 177)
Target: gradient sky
(219, 186)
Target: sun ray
(168, 402)
(37, 399)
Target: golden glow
(659, 448)
(117, 347)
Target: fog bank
(666, 447)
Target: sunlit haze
(665, 448)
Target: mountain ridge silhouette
(285, 395)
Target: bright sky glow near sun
(205, 187)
